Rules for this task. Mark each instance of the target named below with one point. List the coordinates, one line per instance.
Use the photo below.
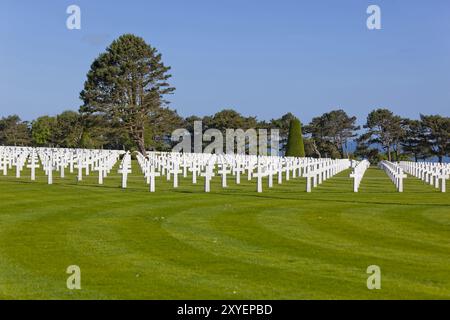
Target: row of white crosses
(320, 170)
(58, 159)
(3, 161)
(431, 173)
(359, 168)
(206, 166)
(394, 172)
(12, 157)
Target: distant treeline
(384, 135)
(125, 107)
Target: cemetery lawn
(229, 244)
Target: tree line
(384, 134)
(125, 106)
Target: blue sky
(263, 58)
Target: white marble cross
(50, 170)
(224, 171)
(152, 174)
(125, 169)
(288, 170)
(33, 165)
(237, 169)
(250, 168)
(443, 175)
(208, 174)
(280, 170)
(195, 170)
(185, 166)
(400, 177)
(18, 168)
(175, 170)
(260, 173)
(270, 172)
(62, 166)
(308, 175)
(101, 167)
(5, 164)
(71, 163)
(80, 168)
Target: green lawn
(229, 244)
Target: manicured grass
(230, 244)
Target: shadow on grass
(283, 194)
(315, 199)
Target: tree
(384, 129)
(229, 119)
(43, 131)
(365, 151)
(295, 146)
(331, 132)
(340, 128)
(223, 120)
(437, 134)
(414, 141)
(68, 129)
(127, 84)
(14, 131)
(159, 128)
(283, 125)
(99, 132)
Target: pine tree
(127, 84)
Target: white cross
(125, 169)
(259, 175)
(237, 170)
(80, 168)
(33, 165)
(152, 174)
(62, 167)
(270, 172)
(18, 169)
(101, 167)
(443, 175)
(280, 172)
(288, 168)
(71, 163)
(224, 171)
(87, 163)
(175, 171)
(249, 171)
(194, 169)
(400, 176)
(185, 167)
(356, 176)
(50, 170)
(308, 174)
(5, 165)
(208, 174)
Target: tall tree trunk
(315, 149)
(141, 143)
(341, 151)
(137, 134)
